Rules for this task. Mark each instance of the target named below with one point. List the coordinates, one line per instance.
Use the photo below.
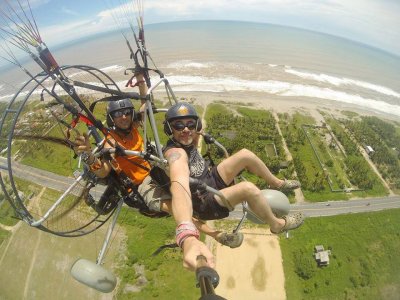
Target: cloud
(69, 11)
(35, 3)
(61, 33)
(372, 22)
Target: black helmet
(181, 110)
(118, 105)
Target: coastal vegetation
(327, 162)
(359, 171)
(242, 127)
(384, 139)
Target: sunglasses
(121, 112)
(179, 126)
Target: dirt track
(254, 270)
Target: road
(317, 209)
(331, 208)
(40, 177)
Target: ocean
(230, 56)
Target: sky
(372, 22)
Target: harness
(120, 185)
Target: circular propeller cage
(41, 175)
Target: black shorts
(205, 207)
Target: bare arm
(142, 91)
(182, 209)
(179, 175)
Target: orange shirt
(129, 164)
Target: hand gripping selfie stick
(207, 280)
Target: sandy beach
(305, 105)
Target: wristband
(185, 230)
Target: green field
(7, 214)
(363, 252)
(330, 157)
(144, 236)
(363, 261)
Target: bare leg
(232, 240)
(247, 191)
(204, 228)
(245, 159)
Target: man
(124, 122)
(183, 124)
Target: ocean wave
(280, 88)
(6, 97)
(185, 64)
(113, 68)
(343, 81)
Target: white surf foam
(337, 81)
(281, 88)
(6, 97)
(186, 64)
(113, 68)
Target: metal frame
(37, 81)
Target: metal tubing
(133, 95)
(109, 232)
(53, 207)
(241, 222)
(154, 126)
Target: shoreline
(281, 104)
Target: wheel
(278, 202)
(93, 275)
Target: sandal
(232, 240)
(289, 185)
(292, 221)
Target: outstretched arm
(187, 234)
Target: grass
(7, 214)
(215, 109)
(144, 236)
(364, 251)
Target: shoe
(232, 240)
(292, 221)
(288, 185)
